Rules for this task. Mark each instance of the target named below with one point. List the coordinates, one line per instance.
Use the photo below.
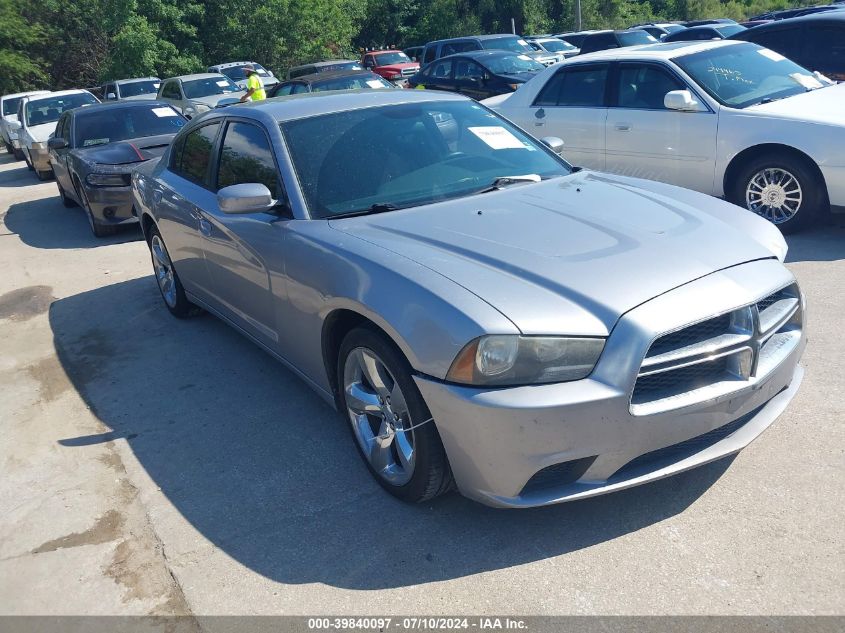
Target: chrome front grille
(407, 72)
(718, 355)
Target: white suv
(9, 114)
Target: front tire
(168, 281)
(382, 404)
(99, 230)
(780, 188)
(43, 175)
(66, 201)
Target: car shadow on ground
(267, 471)
(818, 244)
(46, 223)
(14, 178)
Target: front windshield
(352, 82)
(337, 66)
(137, 88)
(730, 29)
(49, 109)
(119, 124)
(512, 65)
(236, 73)
(633, 38)
(746, 74)
(513, 44)
(10, 106)
(199, 88)
(386, 59)
(556, 46)
(408, 155)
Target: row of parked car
(560, 296)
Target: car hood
(212, 101)
(573, 254)
(40, 133)
(146, 97)
(126, 152)
(823, 105)
(398, 67)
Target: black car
(337, 80)
(477, 74)
(703, 33)
(691, 23)
(786, 14)
(95, 148)
(605, 40)
(816, 41)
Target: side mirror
(682, 101)
(250, 197)
(111, 96)
(553, 143)
(56, 143)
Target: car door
(185, 189)
(59, 157)
(244, 251)
(468, 77)
(647, 140)
(440, 77)
(572, 106)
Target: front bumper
(40, 159)
(111, 205)
(585, 438)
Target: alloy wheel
(163, 271)
(378, 412)
(775, 194)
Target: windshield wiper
(505, 181)
(378, 207)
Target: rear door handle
(623, 127)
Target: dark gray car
(94, 149)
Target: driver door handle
(205, 227)
(623, 127)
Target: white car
(726, 118)
(37, 118)
(9, 110)
(194, 94)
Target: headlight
(39, 145)
(510, 360)
(108, 180)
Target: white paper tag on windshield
(525, 57)
(775, 57)
(806, 81)
(222, 83)
(497, 137)
(162, 112)
(523, 42)
(156, 86)
(374, 83)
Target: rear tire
(169, 285)
(782, 189)
(381, 404)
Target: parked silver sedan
(480, 312)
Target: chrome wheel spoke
(404, 449)
(376, 374)
(774, 194)
(360, 400)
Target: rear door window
(580, 87)
(441, 70)
(193, 154)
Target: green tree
(19, 71)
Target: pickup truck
(393, 65)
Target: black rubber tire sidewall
(183, 308)
(811, 188)
(432, 476)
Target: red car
(393, 65)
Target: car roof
(667, 50)
(480, 55)
(122, 105)
(332, 74)
(24, 94)
(475, 37)
(328, 62)
(197, 76)
(58, 93)
(383, 50)
(231, 64)
(293, 107)
(829, 17)
(133, 80)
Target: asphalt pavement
(155, 466)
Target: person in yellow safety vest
(254, 87)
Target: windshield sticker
(162, 112)
(523, 42)
(775, 57)
(374, 83)
(156, 86)
(525, 57)
(222, 83)
(497, 137)
(806, 81)
(95, 141)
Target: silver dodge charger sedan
(484, 315)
